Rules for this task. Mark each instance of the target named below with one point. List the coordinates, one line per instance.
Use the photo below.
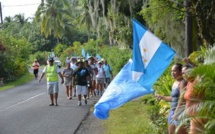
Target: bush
(14, 59)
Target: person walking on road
(108, 73)
(73, 66)
(80, 77)
(100, 78)
(89, 86)
(52, 71)
(36, 66)
(67, 74)
(93, 79)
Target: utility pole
(1, 14)
(188, 28)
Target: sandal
(51, 104)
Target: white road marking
(21, 102)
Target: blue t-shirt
(107, 70)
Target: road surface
(24, 110)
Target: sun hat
(79, 61)
(99, 62)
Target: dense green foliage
(13, 59)
(104, 27)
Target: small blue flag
(98, 57)
(87, 57)
(83, 52)
(74, 55)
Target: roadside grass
(22, 80)
(131, 118)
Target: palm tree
(8, 19)
(20, 18)
(51, 14)
(84, 18)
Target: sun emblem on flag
(144, 59)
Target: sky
(13, 7)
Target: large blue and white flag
(83, 52)
(121, 90)
(150, 58)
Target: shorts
(81, 90)
(68, 82)
(36, 71)
(52, 88)
(107, 80)
(99, 80)
(94, 77)
(170, 119)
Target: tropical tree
(84, 18)
(7, 21)
(20, 18)
(51, 15)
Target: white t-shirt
(100, 73)
(57, 70)
(93, 66)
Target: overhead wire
(20, 5)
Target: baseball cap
(51, 59)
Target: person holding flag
(150, 59)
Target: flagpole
(96, 47)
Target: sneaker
(79, 103)
(74, 95)
(100, 93)
(85, 101)
(97, 92)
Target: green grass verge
(131, 118)
(22, 80)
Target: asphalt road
(24, 110)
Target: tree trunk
(188, 28)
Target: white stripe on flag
(136, 75)
(148, 46)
